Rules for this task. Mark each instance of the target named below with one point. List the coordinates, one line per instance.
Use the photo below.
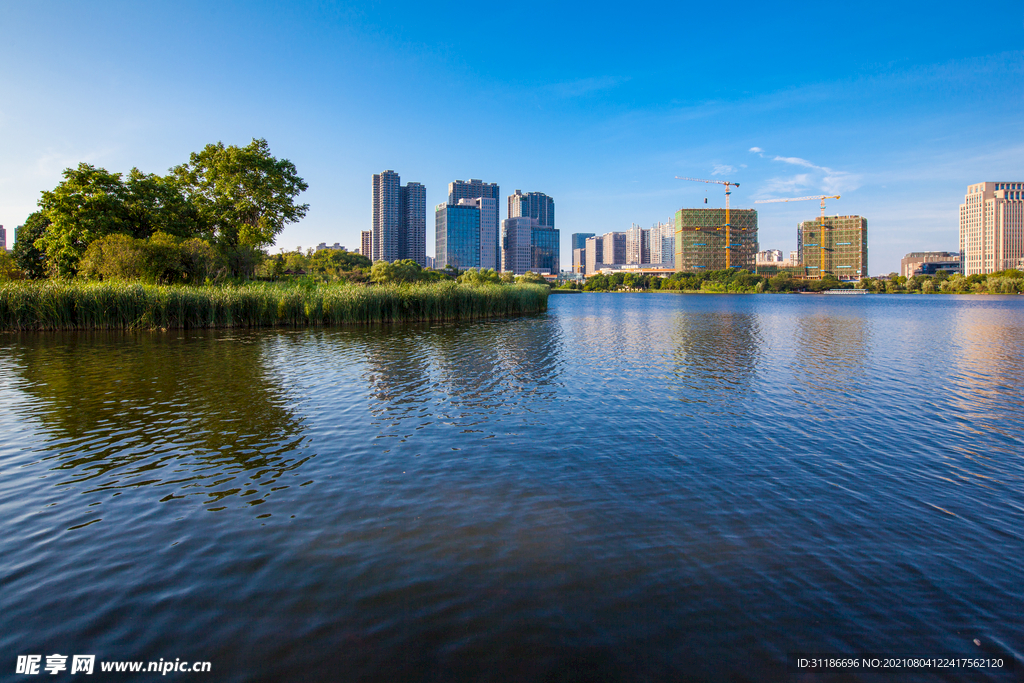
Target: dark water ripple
(630, 487)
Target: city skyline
(889, 118)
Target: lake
(628, 487)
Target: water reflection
(831, 351)
(714, 354)
(188, 413)
(461, 373)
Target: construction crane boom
(797, 199)
(821, 239)
(728, 227)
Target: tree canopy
(236, 198)
(244, 195)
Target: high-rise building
(386, 216)
(843, 242)
(366, 243)
(579, 239)
(544, 240)
(663, 244)
(516, 237)
(490, 243)
(992, 227)
(457, 229)
(471, 189)
(638, 245)
(595, 254)
(614, 249)
(486, 196)
(701, 239)
(3, 238)
(399, 219)
(543, 248)
(579, 259)
(413, 229)
(912, 263)
(536, 205)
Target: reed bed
(56, 305)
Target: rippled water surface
(628, 487)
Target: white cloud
(797, 161)
(722, 169)
(756, 150)
(822, 178)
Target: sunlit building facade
(920, 262)
(992, 227)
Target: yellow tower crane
(821, 238)
(728, 228)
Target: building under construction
(843, 245)
(701, 239)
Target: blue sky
(896, 107)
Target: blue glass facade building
(544, 249)
(579, 239)
(457, 230)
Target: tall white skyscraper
(992, 227)
(490, 253)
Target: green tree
(87, 205)
(479, 277)
(402, 271)
(9, 269)
(114, 257)
(244, 195)
(530, 277)
(155, 203)
(334, 260)
(29, 258)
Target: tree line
(730, 280)
(1003, 282)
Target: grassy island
(76, 305)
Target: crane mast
(728, 227)
(821, 239)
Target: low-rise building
(928, 262)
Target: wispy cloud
(722, 169)
(822, 178)
(797, 161)
(585, 86)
